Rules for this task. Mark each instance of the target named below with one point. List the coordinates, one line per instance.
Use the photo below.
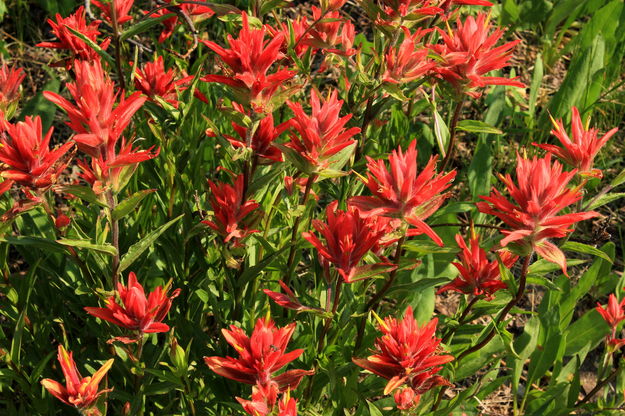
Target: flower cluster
(261, 355)
(408, 356)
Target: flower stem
(500, 318)
(452, 135)
(298, 220)
(375, 300)
(597, 388)
(461, 319)
(111, 202)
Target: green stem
(112, 202)
(117, 43)
(294, 231)
(452, 135)
(375, 300)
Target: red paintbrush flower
(97, 120)
(614, 312)
(264, 401)
(122, 8)
(406, 398)
(10, 80)
(320, 136)
(478, 276)
(578, 151)
(260, 356)
(407, 355)
(25, 151)
(154, 81)
(233, 215)
(348, 238)
(403, 192)
(68, 40)
(469, 52)
(135, 311)
(407, 62)
(249, 58)
(532, 216)
(262, 141)
(330, 33)
(407, 10)
(195, 12)
(79, 392)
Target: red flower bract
(68, 40)
(318, 137)
(25, 151)
(469, 53)
(78, 391)
(260, 356)
(232, 213)
(262, 141)
(98, 122)
(403, 192)
(348, 237)
(478, 276)
(407, 62)
(136, 311)
(580, 149)
(154, 81)
(614, 312)
(249, 58)
(10, 80)
(407, 354)
(122, 7)
(532, 215)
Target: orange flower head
(135, 311)
(260, 357)
(532, 214)
(10, 80)
(407, 355)
(233, 215)
(348, 238)
(79, 392)
(122, 8)
(27, 157)
(469, 52)
(96, 117)
(403, 192)
(262, 141)
(69, 41)
(154, 81)
(478, 276)
(249, 59)
(580, 148)
(408, 61)
(318, 137)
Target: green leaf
(16, 342)
(42, 243)
(441, 132)
(476, 126)
(103, 54)
(544, 357)
(589, 329)
(253, 271)
(394, 91)
(620, 179)
(143, 26)
(86, 244)
(480, 169)
(606, 199)
(127, 205)
(139, 247)
(373, 410)
(585, 249)
(83, 192)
